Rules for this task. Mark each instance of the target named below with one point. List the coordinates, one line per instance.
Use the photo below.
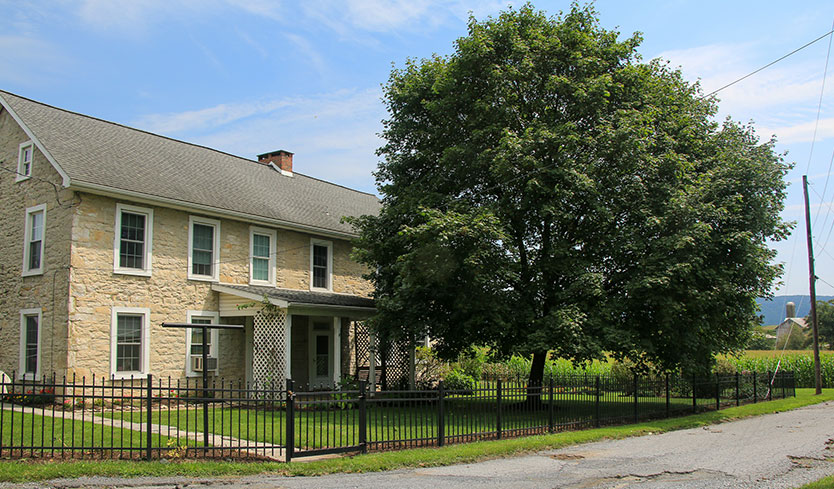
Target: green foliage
(801, 364)
(759, 341)
(825, 321)
(544, 190)
(459, 381)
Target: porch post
(412, 364)
(372, 361)
(337, 349)
(288, 346)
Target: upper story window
(33, 240)
(25, 156)
(321, 264)
(203, 249)
(134, 237)
(129, 338)
(30, 334)
(262, 256)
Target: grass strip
(824, 483)
(22, 470)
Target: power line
(817, 123)
(768, 65)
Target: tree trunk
(536, 381)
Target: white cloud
(333, 135)
(802, 132)
(309, 52)
(27, 61)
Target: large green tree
(543, 189)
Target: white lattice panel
(269, 350)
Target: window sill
(132, 271)
(128, 375)
(32, 377)
(31, 273)
(262, 283)
(22, 178)
(320, 289)
(203, 278)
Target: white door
(321, 353)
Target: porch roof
(294, 298)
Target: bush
(459, 381)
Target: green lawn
(824, 483)
(19, 471)
(20, 433)
(396, 423)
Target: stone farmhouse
(107, 232)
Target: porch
(308, 336)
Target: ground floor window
(30, 335)
(129, 349)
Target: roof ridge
(125, 126)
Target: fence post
(717, 391)
(441, 415)
(550, 427)
(498, 406)
(755, 386)
(636, 417)
(769, 386)
(782, 381)
(596, 402)
(363, 416)
(694, 399)
(290, 426)
(149, 418)
(738, 399)
(668, 401)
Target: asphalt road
(783, 450)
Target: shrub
(459, 381)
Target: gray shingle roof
(301, 296)
(123, 159)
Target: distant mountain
(773, 309)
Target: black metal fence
(162, 418)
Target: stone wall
(47, 291)
(168, 293)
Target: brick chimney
(282, 159)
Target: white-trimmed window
(203, 249)
(33, 240)
(129, 341)
(133, 241)
(321, 264)
(25, 157)
(262, 256)
(194, 339)
(30, 344)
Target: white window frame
(27, 236)
(215, 276)
(117, 240)
(213, 347)
(329, 245)
(273, 236)
(21, 175)
(146, 338)
(24, 313)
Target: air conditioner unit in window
(197, 363)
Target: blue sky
(249, 77)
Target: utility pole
(812, 279)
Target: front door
(321, 354)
